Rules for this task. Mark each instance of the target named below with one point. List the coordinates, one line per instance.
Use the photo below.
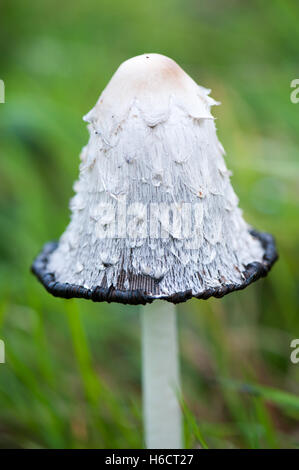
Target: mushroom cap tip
(149, 62)
(151, 80)
(151, 71)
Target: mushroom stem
(161, 383)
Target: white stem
(161, 384)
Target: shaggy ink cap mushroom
(154, 214)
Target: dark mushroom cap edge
(252, 273)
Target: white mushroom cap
(154, 208)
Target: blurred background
(72, 376)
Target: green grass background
(72, 376)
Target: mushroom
(154, 216)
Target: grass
(72, 376)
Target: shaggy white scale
(154, 196)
